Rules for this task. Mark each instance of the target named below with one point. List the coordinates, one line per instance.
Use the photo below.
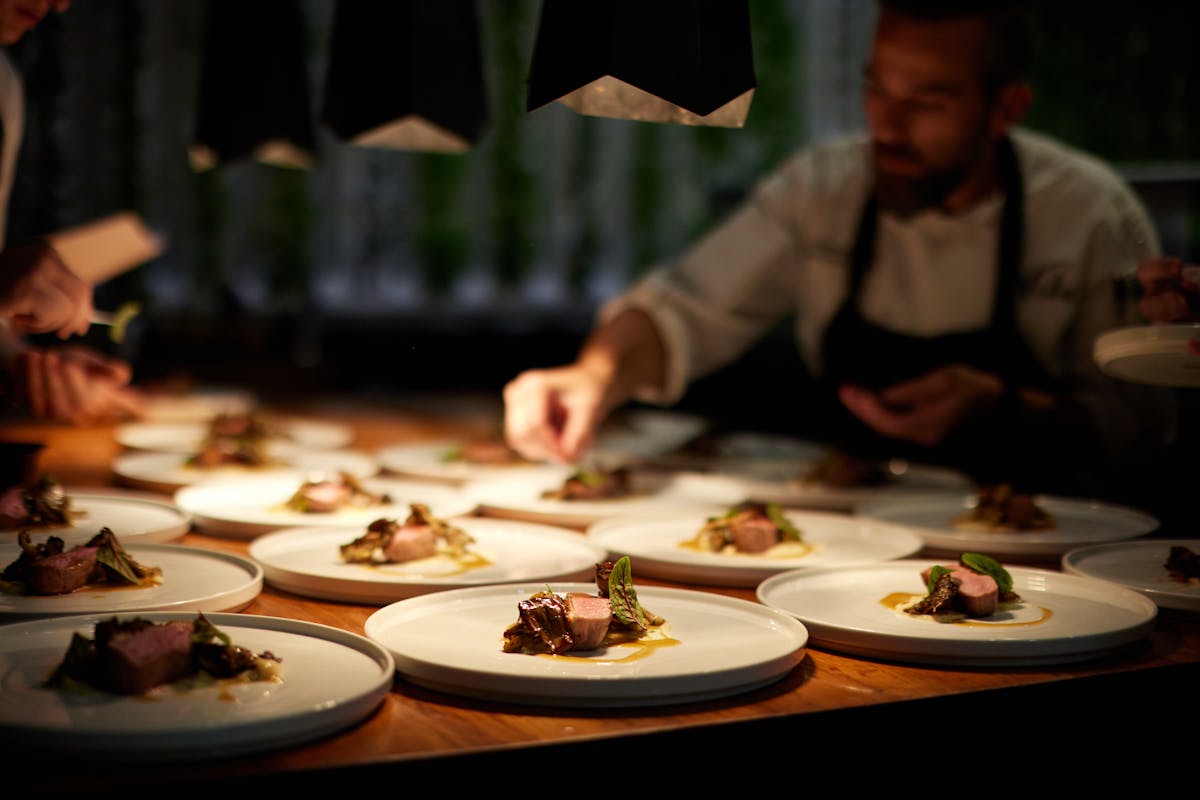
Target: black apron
(859, 352)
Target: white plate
(1138, 566)
(249, 507)
(306, 561)
(843, 610)
(520, 497)
(1078, 523)
(132, 516)
(451, 642)
(428, 459)
(217, 721)
(166, 472)
(777, 483)
(187, 437)
(644, 433)
(200, 405)
(192, 580)
(1151, 354)
(654, 544)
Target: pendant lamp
(406, 74)
(684, 62)
(253, 99)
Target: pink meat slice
(137, 661)
(62, 572)
(979, 592)
(588, 617)
(755, 535)
(326, 497)
(411, 542)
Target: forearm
(627, 355)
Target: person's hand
(40, 294)
(1170, 290)
(75, 385)
(927, 409)
(553, 414)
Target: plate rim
(595, 691)
(221, 741)
(957, 652)
(340, 589)
(1178, 601)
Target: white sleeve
(712, 304)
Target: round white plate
(1150, 354)
(192, 580)
(216, 721)
(644, 433)
(132, 516)
(430, 459)
(200, 405)
(251, 506)
(452, 642)
(779, 483)
(1138, 566)
(520, 497)
(655, 545)
(187, 437)
(1078, 523)
(166, 472)
(1061, 618)
(306, 561)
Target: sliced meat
(60, 573)
(589, 617)
(134, 658)
(325, 497)
(753, 534)
(13, 511)
(977, 595)
(410, 542)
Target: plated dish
(249, 507)
(1060, 619)
(1138, 566)
(523, 497)
(446, 459)
(133, 516)
(1076, 523)
(164, 404)
(305, 561)
(201, 722)
(166, 472)
(188, 437)
(660, 548)
(784, 483)
(645, 433)
(1151, 354)
(452, 642)
(192, 580)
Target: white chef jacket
(786, 251)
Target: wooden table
(830, 706)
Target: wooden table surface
(828, 703)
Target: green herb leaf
(623, 596)
(786, 528)
(453, 454)
(118, 563)
(986, 565)
(935, 575)
(203, 632)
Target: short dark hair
(1008, 52)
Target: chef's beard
(906, 195)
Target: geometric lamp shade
(406, 74)
(687, 62)
(253, 97)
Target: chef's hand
(553, 414)
(40, 294)
(75, 385)
(927, 409)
